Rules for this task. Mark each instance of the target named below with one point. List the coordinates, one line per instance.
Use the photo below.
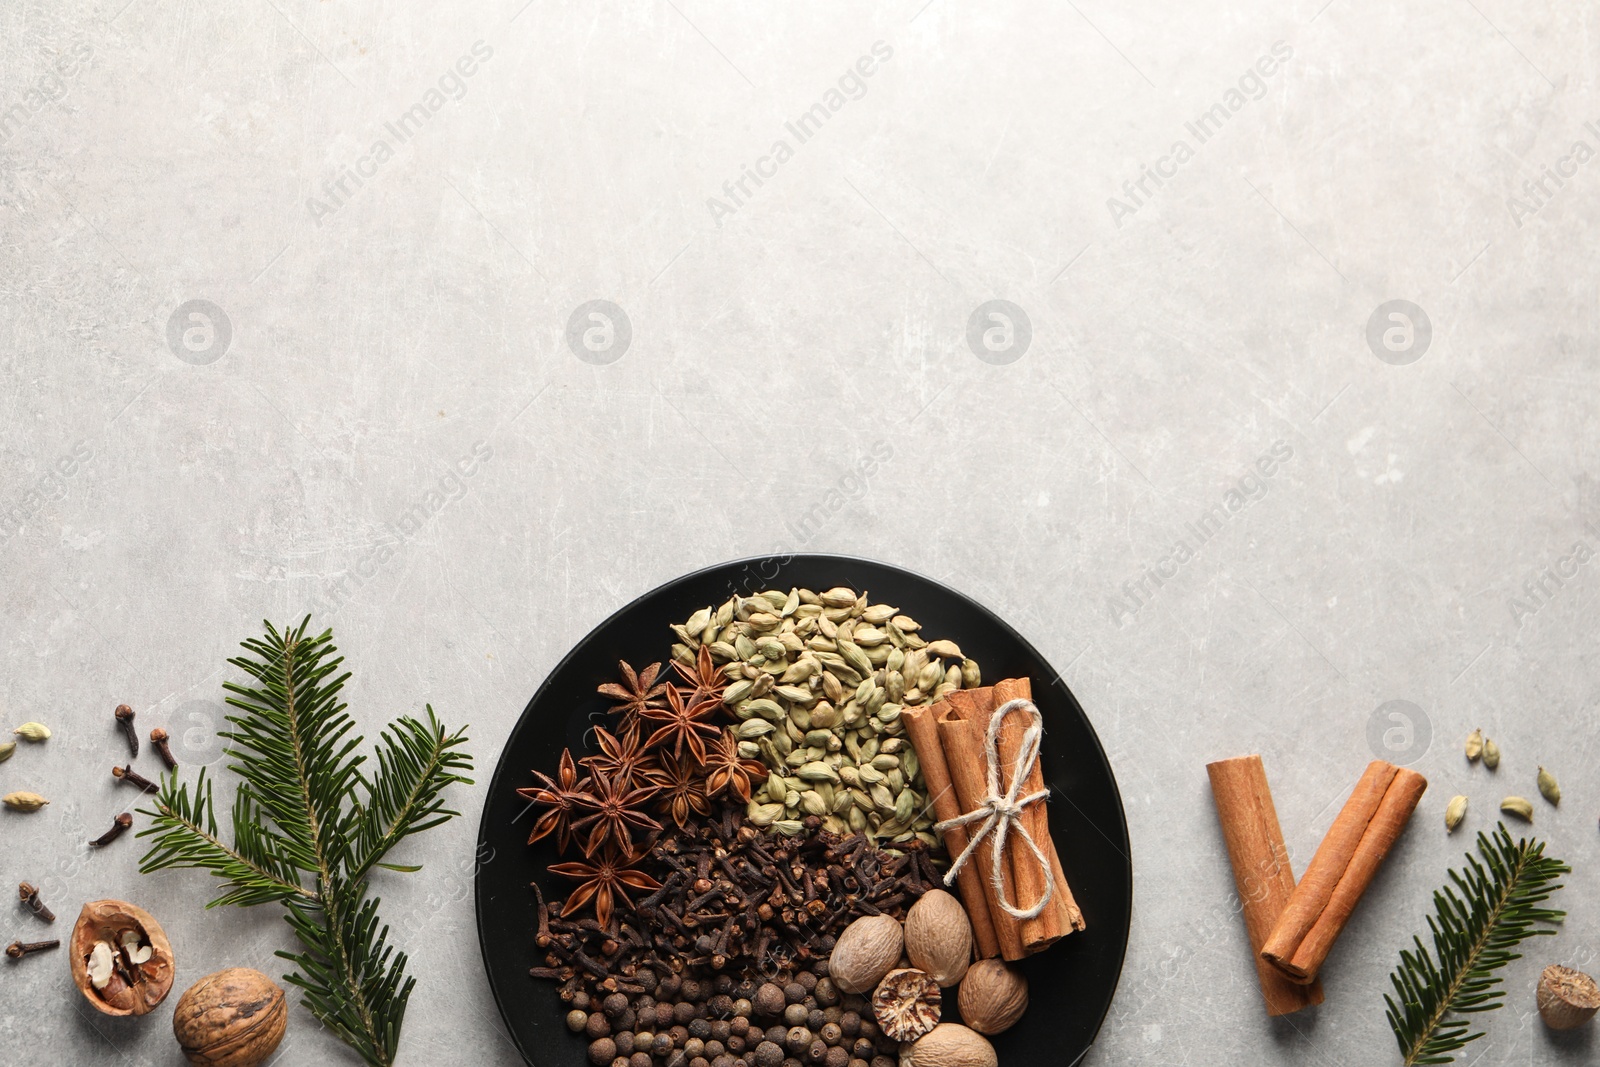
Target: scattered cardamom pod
(1455, 812)
(33, 731)
(1518, 807)
(1548, 788)
(6, 749)
(1491, 754)
(1474, 746)
(24, 801)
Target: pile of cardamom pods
(817, 682)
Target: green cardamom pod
(1491, 754)
(1474, 746)
(33, 731)
(1455, 813)
(6, 750)
(24, 801)
(1548, 787)
(1518, 807)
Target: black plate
(1071, 984)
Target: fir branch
(1487, 911)
(304, 807)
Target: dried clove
(133, 777)
(158, 738)
(125, 721)
(18, 949)
(121, 823)
(30, 896)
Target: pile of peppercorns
(724, 1022)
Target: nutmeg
(865, 952)
(906, 1003)
(939, 937)
(121, 959)
(992, 996)
(949, 1045)
(233, 1018)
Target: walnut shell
(950, 1045)
(992, 996)
(233, 1018)
(939, 937)
(1567, 998)
(108, 920)
(865, 952)
(907, 1003)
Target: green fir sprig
(1485, 912)
(309, 826)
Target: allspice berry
(233, 1018)
(1567, 998)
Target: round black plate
(1071, 984)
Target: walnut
(121, 959)
(906, 1003)
(1567, 998)
(233, 1018)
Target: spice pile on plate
(750, 847)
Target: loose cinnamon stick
(924, 734)
(962, 741)
(1061, 916)
(1342, 868)
(1261, 870)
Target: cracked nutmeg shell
(121, 959)
(233, 1018)
(906, 1003)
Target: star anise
(605, 879)
(639, 691)
(684, 723)
(562, 796)
(618, 809)
(726, 769)
(705, 680)
(621, 758)
(683, 790)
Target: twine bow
(1001, 813)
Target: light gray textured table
(397, 214)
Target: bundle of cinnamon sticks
(1293, 927)
(950, 741)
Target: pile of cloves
(733, 900)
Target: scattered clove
(125, 721)
(133, 777)
(121, 824)
(30, 897)
(18, 949)
(158, 738)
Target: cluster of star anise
(668, 755)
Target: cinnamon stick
(924, 734)
(1261, 870)
(1343, 867)
(1061, 916)
(962, 741)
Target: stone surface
(373, 315)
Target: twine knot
(1001, 812)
